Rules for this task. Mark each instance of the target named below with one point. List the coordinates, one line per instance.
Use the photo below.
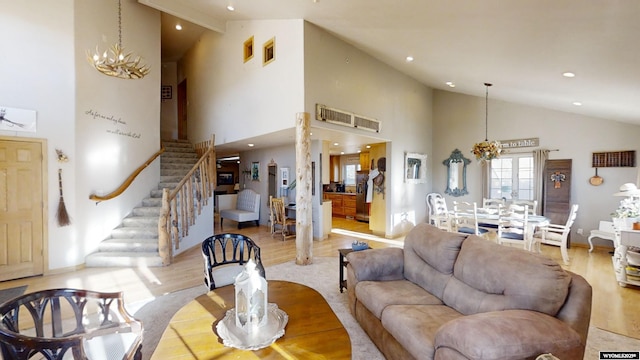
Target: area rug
(7, 294)
(322, 275)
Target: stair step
(123, 259)
(140, 221)
(175, 172)
(152, 202)
(182, 166)
(146, 211)
(135, 245)
(171, 179)
(130, 232)
(184, 156)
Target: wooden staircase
(135, 241)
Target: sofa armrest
(377, 264)
(508, 334)
(576, 310)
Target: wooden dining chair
(280, 223)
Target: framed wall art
(255, 171)
(165, 92)
(225, 178)
(415, 168)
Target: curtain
(539, 159)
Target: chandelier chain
(486, 112)
(120, 23)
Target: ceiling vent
(345, 118)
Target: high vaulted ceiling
(521, 46)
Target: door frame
(45, 193)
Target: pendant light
(115, 62)
(486, 150)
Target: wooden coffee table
(313, 330)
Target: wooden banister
(179, 205)
(129, 180)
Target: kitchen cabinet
(365, 164)
(337, 208)
(334, 168)
(349, 203)
(342, 204)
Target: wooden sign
(520, 143)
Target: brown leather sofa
(452, 296)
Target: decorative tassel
(62, 215)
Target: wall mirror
(456, 174)
(415, 168)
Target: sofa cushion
(415, 326)
(511, 278)
(377, 295)
(429, 256)
(510, 334)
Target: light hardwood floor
(615, 308)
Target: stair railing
(129, 180)
(179, 205)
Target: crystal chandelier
(486, 150)
(115, 62)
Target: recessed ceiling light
(450, 84)
(335, 144)
(409, 58)
(251, 145)
(178, 27)
(230, 8)
(568, 74)
(359, 151)
(368, 146)
(577, 103)
(341, 152)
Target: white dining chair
(533, 205)
(465, 219)
(513, 227)
(555, 234)
(438, 213)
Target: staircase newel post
(164, 246)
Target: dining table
(490, 218)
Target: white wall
(47, 71)
(460, 122)
(34, 31)
(235, 99)
(341, 76)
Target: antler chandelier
(486, 150)
(115, 62)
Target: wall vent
(366, 123)
(345, 118)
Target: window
(350, 174)
(512, 177)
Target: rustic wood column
(304, 220)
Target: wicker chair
(225, 256)
(69, 324)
